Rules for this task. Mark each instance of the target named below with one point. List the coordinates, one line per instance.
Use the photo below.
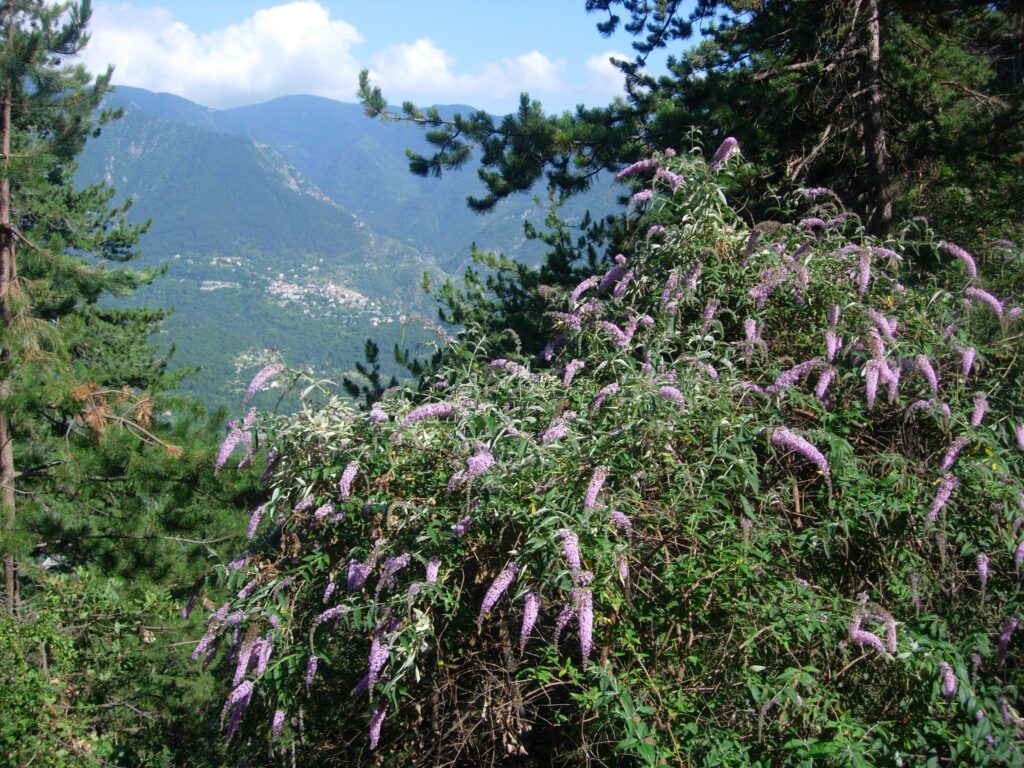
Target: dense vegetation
(735, 477)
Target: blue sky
(234, 52)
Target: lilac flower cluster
(948, 484)
(614, 274)
(377, 414)
(673, 180)
(347, 477)
(953, 453)
(674, 395)
(981, 562)
(793, 375)
(641, 197)
(571, 548)
(609, 390)
(433, 566)
(924, 366)
(501, 582)
(237, 703)
(986, 298)
(784, 438)
(531, 609)
(235, 438)
(965, 258)
(571, 369)
(262, 378)
(594, 488)
(392, 566)
(640, 166)
(948, 680)
(980, 408)
(429, 411)
(254, 521)
(725, 150)
(376, 722)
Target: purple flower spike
(585, 617)
(561, 622)
(823, 383)
(924, 365)
(864, 271)
(380, 650)
(358, 573)
(331, 614)
(980, 407)
(582, 288)
(981, 561)
(376, 721)
(986, 298)
(391, 567)
(967, 359)
(479, 462)
(261, 379)
(594, 488)
(571, 548)
(1018, 557)
(953, 453)
(235, 438)
(965, 258)
(461, 527)
(377, 414)
(725, 150)
(640, 166)
(948, 681)
(571, 369)
(789, 441)
(607, 391)
(1009, 627)
(1019, 432)
(278, 723)
(793, 375)
(501, 582)
(673, 394)
(345, 484)
(946, 487)
(311, 666)
(621, 521)
(641, 197)
(433, 566)
(832, 344)
(833, 315)
(429, 411)
(862, 637)
(531, 609)
(254, 521)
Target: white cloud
(291, 48)
(422, 67)
(298, 47)
(605, 79)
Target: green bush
(766, 582)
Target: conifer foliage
(765, 506)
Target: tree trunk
(7, 279)
(879, 202)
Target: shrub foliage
(763, 495)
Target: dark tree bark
(879, 203)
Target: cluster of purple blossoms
(558, 428)
(793, 375)
(767, 282)
(582, 288)
(783, 438)
(967, 356)
(673, 180)
(331, 614)
(812, 222)
(380, 650)
(277, 723)
(885, 326)
(262, 378)
(614, 274)
(833, 315)
(311, 665)
(564, 617)
(433, 566)
(553, 346)
(924, 366)
(392, 566)
(571, 369)
(429, 411)
(460, 528)
(752, 338)
(571, 548)
(640, 166)
(620, 287)
(605, 392)
(305, 504)
(347, 477)
(501, 582)
(948, 680)
(254, 521)
(725, 150)
(710, 309)
(986, 298)
(377, 414)
(1009, 627)
(948, 484)
(821, 390)
(237, 703)
(641, 197)
(358, 573)
(833, 343)
(235, 438)
(965, 258)
(1019, 434)
(323, 511)
(584, 602)
(863, 637)
(329, 591)
(980, 408)
(864, 271)
(953, 453)
(981, 563)
(667, 392)
(594, 488)
(531, 609)
(376, 722)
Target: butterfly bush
(660, 568)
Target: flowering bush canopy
(763, 503)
